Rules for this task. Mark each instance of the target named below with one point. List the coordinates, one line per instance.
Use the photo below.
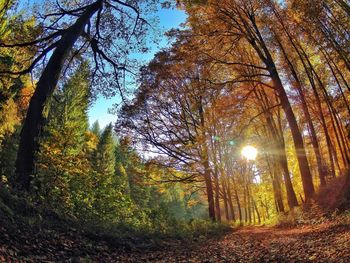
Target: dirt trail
(319, 243)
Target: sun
(249, 152)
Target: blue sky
(168, 18)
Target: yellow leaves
(161, 190)
(91, 140)
(192, 203)
(24, 96)
(8, 118)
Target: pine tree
(68, 114)
(106, 195)
(62, 159)
(104, 155)
(95, 129)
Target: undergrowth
(19, 212)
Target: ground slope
(326, 242)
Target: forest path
(317, 243)
(327, 242)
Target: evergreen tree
(95, 129)
(68, 111)
(104, 155)
(111, 203)
(62, 159)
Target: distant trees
(280, 73)
(87, 173)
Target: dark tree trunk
(209, 187)
(46, 85)
(238, 206)
(205, 162)
(266, 57)
(277, 193)
(276, 184)
(217, 192)
(307, 66)
(257, 212)
(230, 203)
(314, 140)
(225, 198)
(305, 173)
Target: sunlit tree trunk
(230, 202)
(276, 183)
(276, 136)
(217, 188)
(225, 198)
(265, 56)
(297, 85)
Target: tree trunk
(34, 121)
(318, 101)
(239, 207)
(257, 212)
(314, 140)
(205, 163)
(305, 173)
(230, 203)
(225, 198)
(276, 136)
(209, 188)
(263, 52)
(217, 192)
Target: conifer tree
(95, 129)
(62, 158)
(104, 155)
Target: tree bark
(305, 173)
(205, 163)
(230, 203)
(209, 188)
(263, 52)
(314, 141)
(34, 121)
(217, 189)
(276, 136)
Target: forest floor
(324, 242)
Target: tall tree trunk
(230, 203)
(225, 198)
(257, 212)
(314, 141)
(217, 191)
(205, 163)
(34, 121)
(277, 193)
(238, 206)
(276, 136)
(307, 65)
(209, 188)
(305, 173)
(258, 43)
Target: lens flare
(249, 152)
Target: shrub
(336, 194)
